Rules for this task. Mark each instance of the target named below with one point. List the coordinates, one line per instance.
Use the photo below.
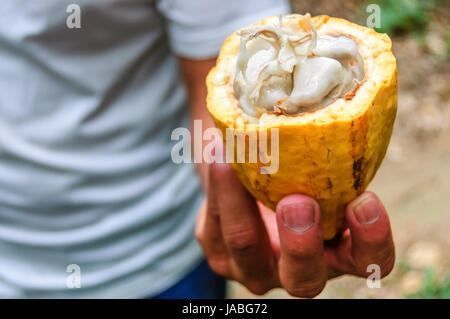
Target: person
(91, 204)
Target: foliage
(432, 287)
(399, 16)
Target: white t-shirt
(86, 179)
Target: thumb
(371, 234)
(302, 267)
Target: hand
(247, 242)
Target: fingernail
(366, 209)
(298, 217)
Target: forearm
(194, 73)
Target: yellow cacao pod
(331, 153)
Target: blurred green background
(414, 179)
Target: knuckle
(378, 239)
(219, 266)
(257, 288)
(221, 172)
(199, 235)
(301, 252)
(385, 267)
(306, 290)
(388, 265)
(385, 260)
(242, 242)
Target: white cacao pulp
(290, 68)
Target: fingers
(371, 236)
(302, 267)
(243, 231)
(232, 233)
(209, 234)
